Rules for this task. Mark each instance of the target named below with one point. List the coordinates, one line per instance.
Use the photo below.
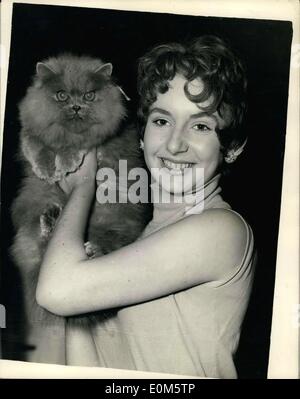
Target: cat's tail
(27, 252)
(29, 246)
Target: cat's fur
(54, 140)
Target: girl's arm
(198, 249)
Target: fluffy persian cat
(72, 105)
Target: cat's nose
(76, 108)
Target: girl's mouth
(175, 166)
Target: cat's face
(76, 95)
(76, 107)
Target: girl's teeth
(172, 165)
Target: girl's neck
(169, 212)
(167, 206)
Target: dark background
(254, 187)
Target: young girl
(178, 295)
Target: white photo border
(284, 349)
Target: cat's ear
(105, 69)
(44, 71)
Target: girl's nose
(177, 142)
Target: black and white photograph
(142, 181)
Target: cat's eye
(62, 96)
(89, 96)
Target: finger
(91, 156)
(93, 152)
(64, 185)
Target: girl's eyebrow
(203, 113)
(193, 116)
(160, 110)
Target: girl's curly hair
(209, 58)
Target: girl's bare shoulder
(223, 220)
(219, 233)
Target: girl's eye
(61, 96)
(201, 127)
(89, 96)
(161, 122)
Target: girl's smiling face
(180, 137)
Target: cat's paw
(92, 250)
(44, 166)
(67, 164)
(48, 219)
(45, 174)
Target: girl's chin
(179, 187)
(181, 181)
(178, 190)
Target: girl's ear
(235, 152)
(105, 69)
(44, 71)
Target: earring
(142, 144)
(234, 153)
(230, 157)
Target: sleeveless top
(193, 332)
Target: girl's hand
(86, 174)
